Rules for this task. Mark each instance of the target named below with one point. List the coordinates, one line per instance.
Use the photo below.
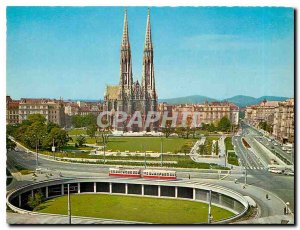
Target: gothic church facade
(130, 96)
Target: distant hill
(239, 100)
(187, 100)
(242, 101)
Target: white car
(289, 172)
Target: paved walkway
(15, 218)
(277, 219)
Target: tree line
(36, 133)
(224, 125)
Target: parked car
(289, 172)
(275, 170)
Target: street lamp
(105, 139)
(69, 205)
(245, 176)
(37, 154)
(53, 149)
(209, 209)
(161, 150)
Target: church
(131, 96)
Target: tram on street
(146, 173)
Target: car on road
(288, 172)
(275, 170)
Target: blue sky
(219, 52)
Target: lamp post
(209, 209)
(245, 176)
(145, 163)
(69, 205)
(161, 150)
(37, 154)
(105, 138)
(53, 149)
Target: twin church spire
(129, 96)
(127, 87)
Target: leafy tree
(80, 140)
(79, 121)
(36, 118)
(35, 200)
(59, 136)
(11, 129)
(180, 131)
(224, 124)
(10, 145)
(91, 130)
(217, 148)
(35, 134)
(211, 127)
(265, 126)
(168, 130)
(50, 126)
(90, 119)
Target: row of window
(33, 106)
(126, 172)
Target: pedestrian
(284, 211)
(267, 196)
(189, 176)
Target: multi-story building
(71, 108)
(51, 109)
(283, 128)
(12, 111)
(264, 111)
(130, 96)
(203, 113)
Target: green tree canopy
(35, 200)
(80, 140)
(91, 130)
(10, 145)
(59, 136)
(224, 124)
(33, 118)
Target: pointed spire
(125, 37)
(148, 39)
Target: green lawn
(143, 209)
(232, 157)
(133, 144)
(76, 131)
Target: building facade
(51, 109)
(208, 112)
(131, 96)
(12, 111)
(264, 111)
(283, 128)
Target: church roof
(112, 92)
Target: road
(271, 145)
(257, 174)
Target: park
(145, 209)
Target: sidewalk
(14, 218)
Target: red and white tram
(146, 173)
(159, 174)
(125, 172)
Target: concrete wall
(222, 197)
